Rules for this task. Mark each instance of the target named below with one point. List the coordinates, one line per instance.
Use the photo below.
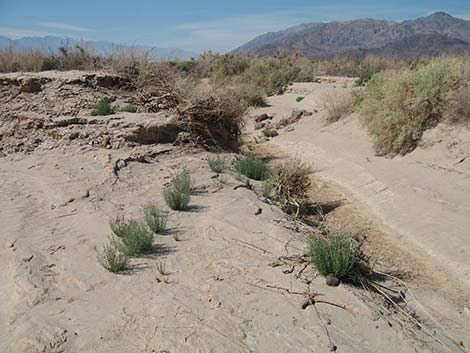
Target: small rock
(263, 117)
(270, 133)
(259, 126)
(259, 211)
(332, 347)
(31, 85)
(28, 259)
(332, 281)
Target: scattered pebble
(332, 281)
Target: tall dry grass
(337, 105)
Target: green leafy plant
(112, 257)
(299, 99)
(177, 196)
(135, 235)
(156, 220)
(252, 168)
(216, 164)
(333, 253)
(103, 107)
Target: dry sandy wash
(229, 274)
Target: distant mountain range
(436, 34)
(52, 44)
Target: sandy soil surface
(420, 200)
(229, 275)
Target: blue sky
(197, 25)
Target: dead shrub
(290, 183)
(338, 104)
(212, 117)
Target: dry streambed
(209, 284)
(229, 275)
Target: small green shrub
(177, 196)
(135, 235)
(299, 99)
(113, 257)
(103, 107)
(156, 220)
(333, 253)
(216, 164)
(365, 77)
(130, 108)
(252, 168)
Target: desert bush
(216, 164)
(338, 105)
(225, 66)
(458, 109)
(136, 237)
(333, 253)
(398, 106)
(291, 183)
(155, 219)
(103, 107)
(253, 96)
(112, 257)
(130, 108)
(177, 196)
(364, 77)
(299, 99)
(253, 168)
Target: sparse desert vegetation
(113, 256)
(135, 235)
(232, 139)
(216, 164)
(290, 183)
(252, 167)
(399, 105)
(338, 105)
(333, 253)
(178, 194)
(156, 220)
(103, 107)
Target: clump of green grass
(155, 219)
(103, 107)
(299, 99)
(136, 237)
(334, 253)
(177, 196)
(216, 164)
(130, 108)
(253, 168)
(113, 257)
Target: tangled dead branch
(291, 182)
(213, 120)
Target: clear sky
(196, 25)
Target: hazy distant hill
(52, 44)
(435, 34)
